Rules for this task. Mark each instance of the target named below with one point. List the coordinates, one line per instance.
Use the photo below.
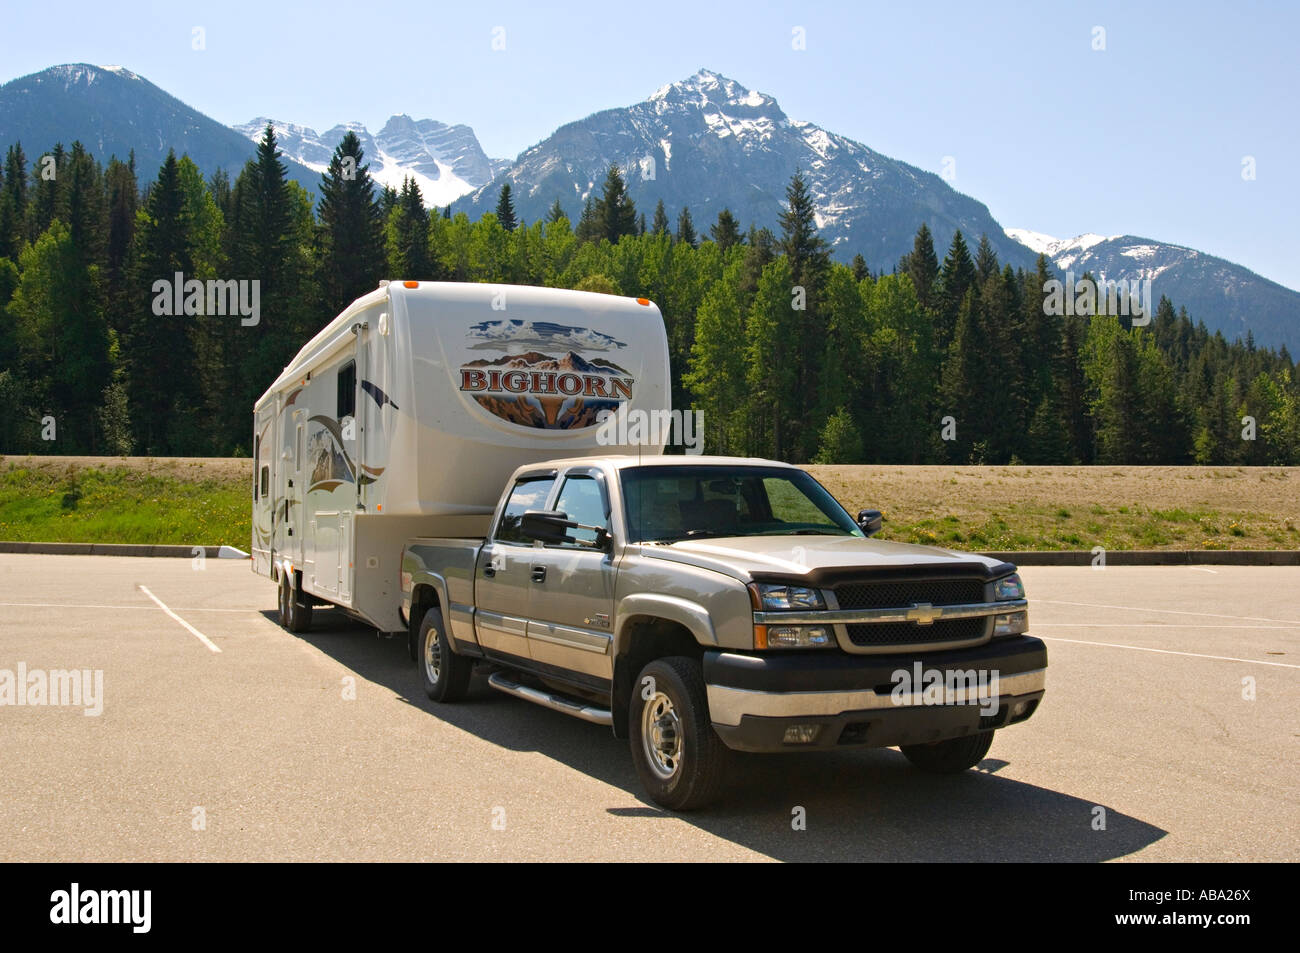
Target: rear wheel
(444, 673)
(678, 756)
(298, 606)
(951, 756)
(282, 599)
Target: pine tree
(686, 228)
(350, 234)
(725, 232)
(13, 203)
(556, 213)
(506, 209)
(809, 259)
(590, 228)
(956, 278)
(615, 212)
(408, 235)
(860, 269)
(841, 441)
(986, 260)
(659, 224)
(923, 266)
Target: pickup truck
(699, 605)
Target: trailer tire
(952, 756)
(679, 758)
(282, 599)
(299, 606)
(444, 673)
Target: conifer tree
(556, 213)
(506, 209)
(923, 266)
(686, 228)
(350, 235)
(659, 224)
(725, 232)
(615, 212)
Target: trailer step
(597, 716)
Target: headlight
(1009, 587)
(775, 597)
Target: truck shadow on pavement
(858, 804)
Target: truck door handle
(539, 574)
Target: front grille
(904, 593)
(909, 633)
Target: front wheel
(444, 673)
(678, 756)
(951, 756)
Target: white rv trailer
(407, 413)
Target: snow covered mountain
(1226, 296)
(708, 142)
(445, 161)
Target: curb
(123, 549)
(1157, 557)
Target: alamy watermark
(214, 297)
(651, 428)
(952, 686)
(61, 688)
(1088, 296)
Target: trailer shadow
(856, 805)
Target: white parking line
(193, 631)
(1156, 625)
(1142, 648)
(87, 605)
(1206, 615)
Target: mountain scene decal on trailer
(532, 388)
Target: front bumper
(874, 701)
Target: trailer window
(347, 402)
(257, 456)
(528, 494)
(266, 481)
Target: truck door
(571, 585)
(501, 575)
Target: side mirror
(552, 526)
(870, 521)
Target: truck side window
(347, 402)
(583, 500)
(528, 494)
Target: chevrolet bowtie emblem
(922, 613)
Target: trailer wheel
(298, 612)
(951, 756)
(678, 756)
(282, 599)
(444, 673)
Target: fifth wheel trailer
(405, 415)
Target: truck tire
(444, 673)
(678, 756)
(282, 600)
(951, 756)
(298, 606)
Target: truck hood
(745, 556)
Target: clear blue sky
(1146, 137)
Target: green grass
(121, 505)
(1019, 528)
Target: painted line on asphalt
(193, 631)
(1142, 648)
(1205, 615)
(1155, 625)
(86, 605)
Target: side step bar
(597, 716)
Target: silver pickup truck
(699, 605)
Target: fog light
(1019, 708)
(1011, 623)
(799, 637)
(801, 734)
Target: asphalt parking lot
(1169, 732)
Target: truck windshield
(670, 503)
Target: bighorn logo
(530, 387)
